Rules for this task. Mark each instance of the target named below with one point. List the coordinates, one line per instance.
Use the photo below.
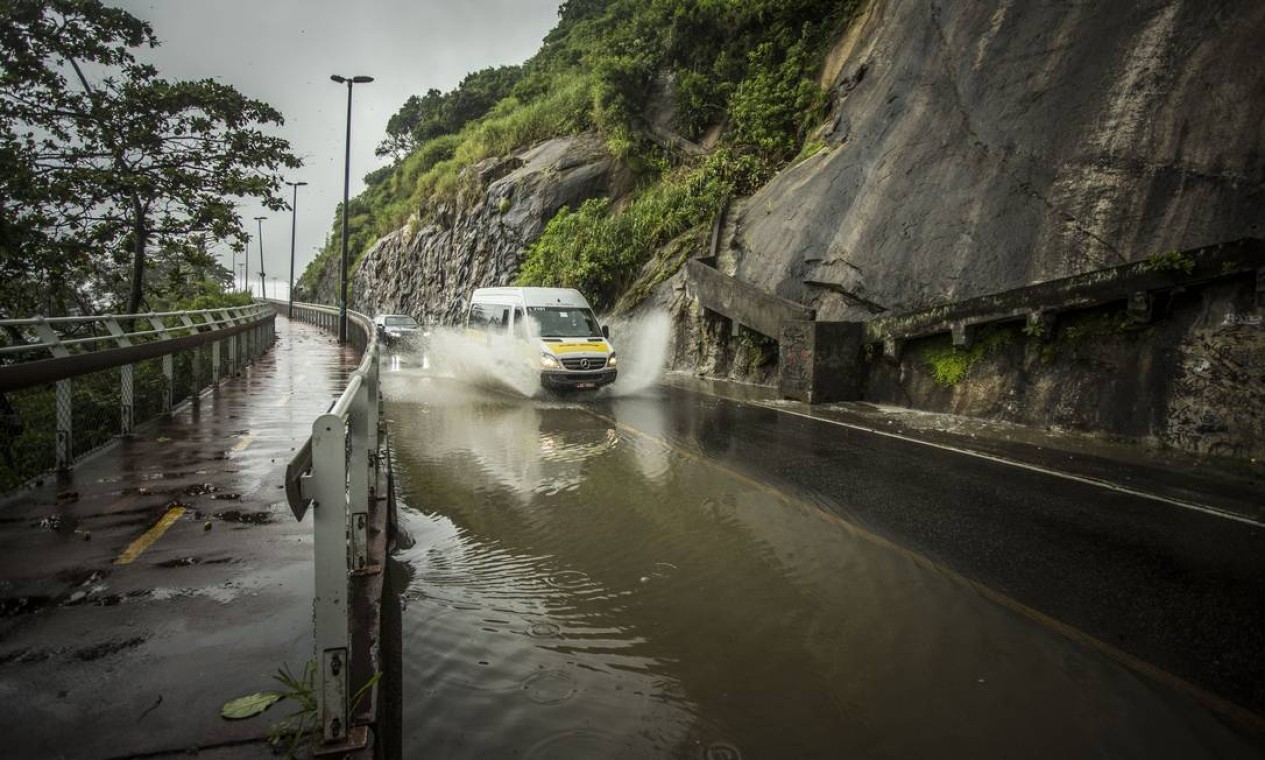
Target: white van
(554, 328)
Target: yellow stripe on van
(571, 348)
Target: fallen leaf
(249, 705)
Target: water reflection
(581, 589)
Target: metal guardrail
(336, 473)
(58, 382)
(1135, 284)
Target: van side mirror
(606, 331)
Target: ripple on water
(543, 629)
(659, 571)
(573, 744)
(549, 687)
(721, 751)
(568, 579)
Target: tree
(42, 260)
(435, 114)
(132, 165)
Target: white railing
(337, 473)
(70, 384)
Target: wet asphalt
(1181, 590)
(99, 659)
(674, 574)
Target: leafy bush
(598, 252)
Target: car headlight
(612, 361)
(549, 361)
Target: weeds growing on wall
(950, 365)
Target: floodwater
(581, 586)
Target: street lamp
(294, 215)
(342, 298)
(234, 270)
(260, 219)
(242, 273)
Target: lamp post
(294, 217)
(262, 284)
(233, 271)
(342, 298)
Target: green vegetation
(950, 365)
(110, 170)
(1169, 261)
(598, 252)
(761, 350)
(436, 114)
(298, 733)
(749, 65)
(1097, 325)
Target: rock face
(976, 147)
(972, 148)
(429, 270)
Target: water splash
(499, 363)
(642, 344)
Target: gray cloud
(283, 52)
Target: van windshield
(564, 322)
(400, 322)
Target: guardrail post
(215, 362)
(65, 429)
(371, 382)
(65, 406)
(125, 379)
(232, 355)
(195, 366)
(126, 396)
(169, 383)
(329, 474)
(358, 476)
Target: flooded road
(652, 577)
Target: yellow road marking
(149, 537)
(1240, 715)
(244, 442)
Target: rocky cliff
(429, 269)
(975, 147)
(965, 149)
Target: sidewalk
(165, 575)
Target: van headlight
(613, 360)
(549, 361)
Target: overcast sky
(283, 52)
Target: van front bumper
(574, 381)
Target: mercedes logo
(584, 364)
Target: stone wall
(429, 270)
(1194, 379)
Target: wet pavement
(682, 576)
(113, 645)
(668, 574)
